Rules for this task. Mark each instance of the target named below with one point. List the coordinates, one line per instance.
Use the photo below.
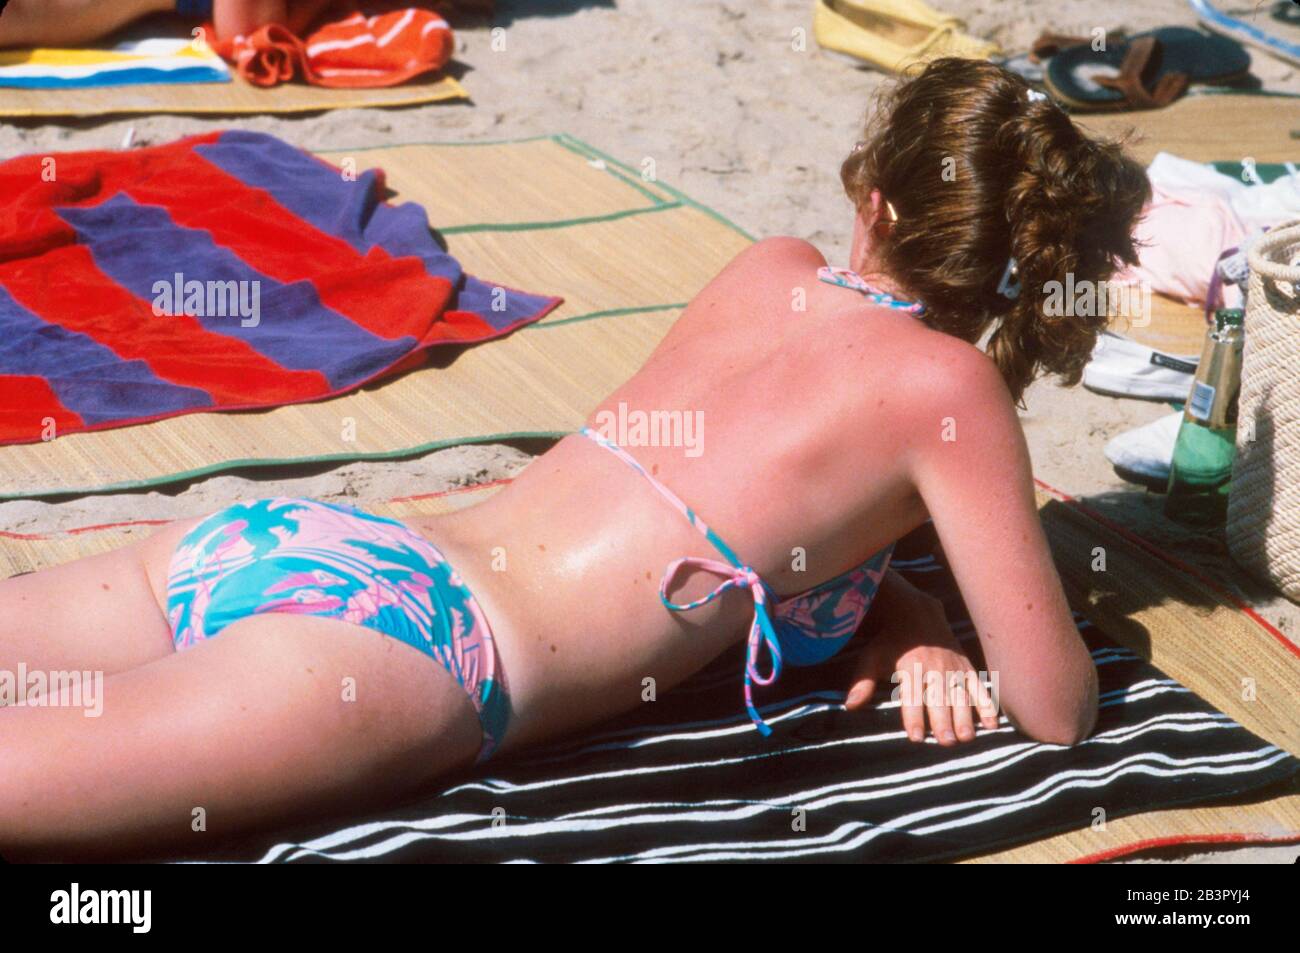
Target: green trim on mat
(558, 138)
(558, 223)
(290, 461)
(676, 193)
(610, 313)
(1233, 91)
(631, 183)
(581, 148)
(632, 178)
(507, 141)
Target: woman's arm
(971, 465)
(907, 635)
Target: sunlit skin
(75, 22)
(823, 429)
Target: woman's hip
(305, 557)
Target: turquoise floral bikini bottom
(305, 557)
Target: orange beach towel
(346, 48)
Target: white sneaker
(1124, 368)
(1145, 454)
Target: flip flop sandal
(1049, 44)
(1148, 71)
(887, 35)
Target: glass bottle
(1201, 473)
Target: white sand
(716, 94)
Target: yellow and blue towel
(138, 61)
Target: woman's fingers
(951, 699)
(948, 699)
(870, 668)
(960, 699)
(860, 693)
(985, 705)
(913, 720)
(938, 706)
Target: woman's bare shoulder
(778, 259)
(931, 381)
(786, 248)
(947, 368)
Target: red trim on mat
(1186, 839)
(1175, 562)
(1146, 545)
(452, 492)
(77, 530)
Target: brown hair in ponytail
(979, 173)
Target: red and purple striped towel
(223, 271)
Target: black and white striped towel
(688, 779)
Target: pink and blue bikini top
(803, 629)
(847, 278)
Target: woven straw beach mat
(1264, 507)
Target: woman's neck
(879, 279)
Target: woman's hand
(907, 633)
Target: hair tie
(1008, 287)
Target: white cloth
(1196, 213)
(1147, 450)
(1124, 368)
(1257, 205)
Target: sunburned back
(790, 432)
(798, 419)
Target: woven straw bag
(1263, 527)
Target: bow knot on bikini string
(762, 633)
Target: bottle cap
(1228, 317)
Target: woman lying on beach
(28, 23)
(285, 658)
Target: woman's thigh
(275, 720)
(101, 613)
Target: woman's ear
(868, 214)
(859, 249)
(876, 202)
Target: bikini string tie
(761, 631)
